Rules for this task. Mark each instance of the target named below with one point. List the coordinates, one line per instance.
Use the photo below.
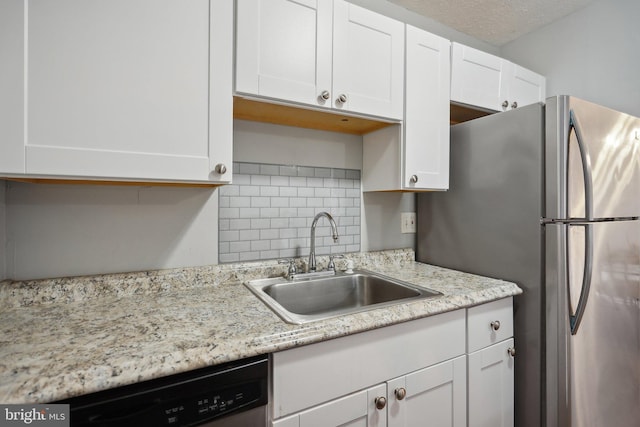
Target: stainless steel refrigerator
(548, 196)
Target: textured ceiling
(496, 22)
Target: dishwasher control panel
(210, 405)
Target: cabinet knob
(325, 94)
(514, 104)
(505, 104)
(511, 351)
(400, 393)
(413, 179)
(380, 402)
(495, 325)
(221, 168)
(342, 98)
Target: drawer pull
(495, 325)
(400, 393)
(380, 402)
(511, 351)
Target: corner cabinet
(489, 82)
(123, 90)
(491, 352)
(414, 155)
(391, 376)
(322, 54)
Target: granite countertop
(66, 337)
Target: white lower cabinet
(491, 386)
(450, 370)
(490, 363)
(434, 396)
(357, 409)
(356, 380)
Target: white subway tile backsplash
(322, 172)
(249, 213)
(240, 246)
(249, 168)
(229, 257)
(268, 210)
(230, 190)
(290, 191)
(260, 202)
(239, 224)
(278, 181)
(249, 190)
(260, 180)
(279, 223)
(269, 191)
(225, 213)
(249, 234)
(269, 170)
(239, 202)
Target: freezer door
(593, 377)
(592, 161)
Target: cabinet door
(436, 394)
(478, 78)
(120, 88)
(490, 386)
(368, 61)
(356, 410)
(12, 86)
(283, 49)
(525, 87)
(426, 125)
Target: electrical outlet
(408, 222)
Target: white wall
(70, 230)
(592, 54)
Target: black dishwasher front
(233, 394)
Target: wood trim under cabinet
(97, 182)
(265, 112)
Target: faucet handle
(291, 270)
(332, 265)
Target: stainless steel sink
(308, 299)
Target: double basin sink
(313, 297)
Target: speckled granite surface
(65, 337)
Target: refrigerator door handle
(575, 318)
(586, 164)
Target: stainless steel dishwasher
(233, 394)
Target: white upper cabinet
(283, 49)
(483, 80)
(322, 54)
(368, 61)
(12, 86)
(525, 87)
(137, 90)
(426, 119)
(415, 155)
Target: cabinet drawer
(489, 323)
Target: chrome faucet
(334, 230)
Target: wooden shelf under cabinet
(258, 111)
